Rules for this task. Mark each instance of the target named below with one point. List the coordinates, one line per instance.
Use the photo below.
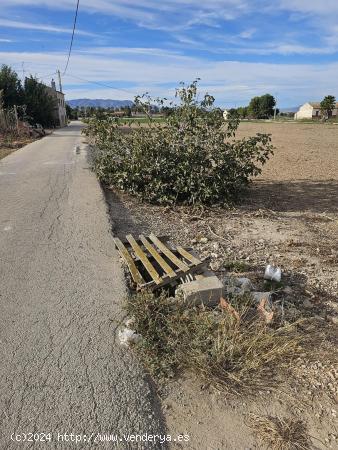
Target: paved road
(61, 287)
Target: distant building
(60, 115)
(225, 114)
(311, 110)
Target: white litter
(128, 337)
(273, 273)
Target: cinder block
(206, 289)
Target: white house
(225, 114)
(59, 112)
(311, 110)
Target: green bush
(193, 157)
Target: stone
(203, 240)
(244, 283)
(307, 304)
(206, 289)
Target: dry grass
(280, 433)
(239, 356)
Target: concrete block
(206, 289)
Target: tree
(40, 105)
(11, 88)
(255, 107)
(267, 105)
(327, 105)
(72, 113)
(193, 159)
(243, 112)
(262, 107)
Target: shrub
(193, 157)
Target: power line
(100, 84)
(71, 42)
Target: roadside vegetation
(22, 106)
(234, 351)
(191, 158)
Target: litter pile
(155, 265)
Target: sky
(238, 48)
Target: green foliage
(236, 266)
(192, 158)
(262, 107)
(327, 105)
(72, 113)
(39, 104)
(10, 86)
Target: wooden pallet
(154, 264)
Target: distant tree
(72, 113)
(327, 105)
(167, 111)
(11, 88)
(268, 104)
(39, 105)
(262, 107)
(243, 112)
(255, 107)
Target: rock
(233, 290)
(244, 283)
(206, 289)
(203, 240)
(307, 304)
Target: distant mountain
(290, 109)
(98, 103)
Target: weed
(280, 434)
(236, 266)
(237, 355)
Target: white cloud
(34, 26)
(232, 82)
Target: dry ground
(290, 218)
(9, 146)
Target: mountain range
(98, 103)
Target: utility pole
(60, 84)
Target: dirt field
(289, 218)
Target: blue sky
(239, 48)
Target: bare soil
(290, 218)
(8, 146)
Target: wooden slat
(152, 250)
(169, 253)
(137, 277)
(179, 273)
(144, 259)
(188, 255)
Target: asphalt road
(61, 288)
